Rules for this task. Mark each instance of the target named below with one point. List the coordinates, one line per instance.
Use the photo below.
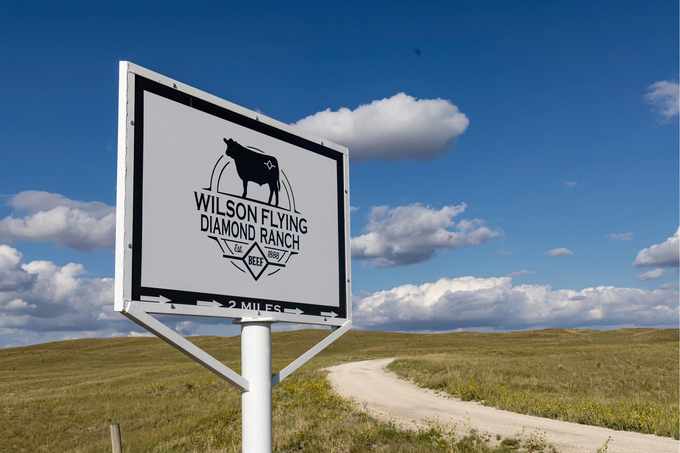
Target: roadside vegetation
(624, 380)
(62, 396)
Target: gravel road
(394, 399)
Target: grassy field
(625, 379)
(62, 396)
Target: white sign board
(225, 212)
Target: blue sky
(559, 122)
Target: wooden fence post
(116, 446)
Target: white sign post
(224, 212)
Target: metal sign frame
(255, 316)
(135, 81)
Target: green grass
(626, 379)
(62, 396)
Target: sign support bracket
(304, 358)
(177, 341)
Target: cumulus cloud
(413, 234)
(38, 300)
(570, 184)
(559, 252)
(12, 277)
(41, 301)
(52, 297)
(620, 236)
(50, 217)
(17, 304)
(660, 255)
(663, 96)
(494, 303)
(396, 128)
(521, 273)
(651, 275)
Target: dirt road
(391, 398)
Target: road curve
(401, 401)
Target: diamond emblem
(255, 261)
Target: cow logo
(248, 209)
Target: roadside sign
(224, 212)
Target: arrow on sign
(208, 303)
(160, 299)
(297, 311)
(329, 314)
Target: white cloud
(663, 96)
(570, 184)
(559, 252)
(12, 277)
(46, 302)
(49, 217)
(651, 275)
(660, 255)
(400, 127)
(56, 299)
(503, 252)
(17, 304)
(186, 328)
(43, 300)
(140, 334)
(670, 285)
(620, 236)
(521, 273)
(353, 208)
(494, 303)
(33, 201)
(413, 234)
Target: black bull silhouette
(255, 167)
